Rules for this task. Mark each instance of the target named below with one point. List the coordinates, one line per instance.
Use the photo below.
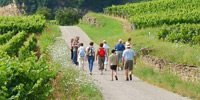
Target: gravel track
(121, 89)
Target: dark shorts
(113, 67)
(129, 64)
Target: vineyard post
(123, 14)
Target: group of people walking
(121, 56)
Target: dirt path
(121, 89)
(125, 23)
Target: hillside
(82, 5)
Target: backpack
(90, 51)
(102, 52)
(82, 53)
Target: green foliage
(67, 16)
(111, 28)
(31, 24)
(5, 2)
(13, 46)
(6, 37)
(156, 13)
(48, 36)
(185, 33)
(30, 46)
(167, 80)
(44, 11)
(25, 80)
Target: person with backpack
(101, 54)
(81, 56)
(128, 56)
(113, 64)
(90, 54)
(107, 51)
(75, 46)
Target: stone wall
(91, 20)
(11, 10)
(185, 72)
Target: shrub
(45, 12)
(67, 16)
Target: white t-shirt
(79, 50)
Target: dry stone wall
(91, 20)
(185, 72)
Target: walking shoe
(130, 77)
(101, 73)
(116, 78)
(127, 79)
(121, 68)
(105, 69)
(90, 73)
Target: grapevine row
(12, 46)
(6, 37)
(155, 13)
(184, 33)
(31, 24)
(30, 45)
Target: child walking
(113, 64)
(81, 56)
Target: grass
(167, 81)
(48, 36)
(111, 28)
(113, 31)
(179, 53)
(73, 84)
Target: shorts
(129, 64)
(113, 67)
(101, 60)
(119, 55)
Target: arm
(86, 55)
(135, 60)
(77, 53)
(97, 54)
(117, 62)
(106, 55)
(110, 63)
(123, 59)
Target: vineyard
(23, 74)
(159, 13)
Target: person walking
(75, 46)
(71, 49)
(101, 53)
(119, 50)
(90, 53)
(113, 64)
(128, 56)
(81, 56)
(128, 42)
(107, 51)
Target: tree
(45, 12)
(67, 16)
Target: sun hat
(120, 40)
(113, 50)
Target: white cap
(120, 40)
(104, 41)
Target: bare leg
(126, 72)
(112, 75)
